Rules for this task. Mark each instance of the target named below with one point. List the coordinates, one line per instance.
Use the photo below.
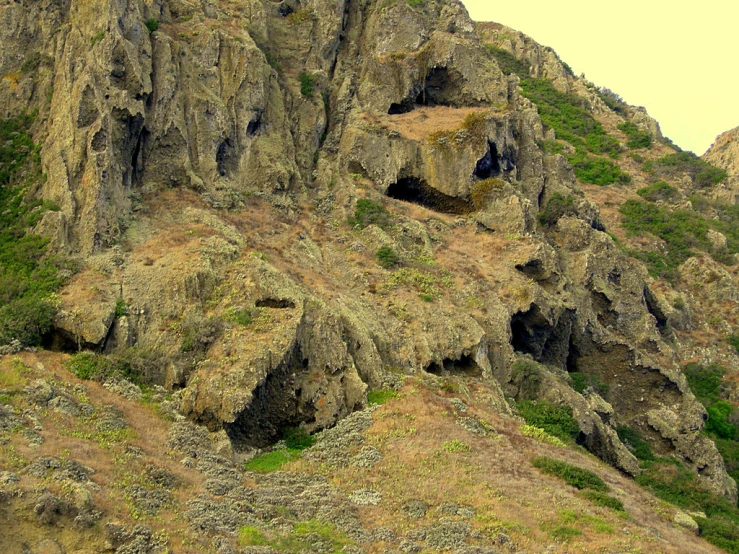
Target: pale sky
(679, 59)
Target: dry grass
(112, 464)
(495, 478)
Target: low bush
(152, 25)
(572, 475)
(28, 276)
(604, 500)
(701, 172)
(569, 117)
(557, 206)
(307, 84)
(633, 440)
(597, 171)
(387, 257)
(658, 191)
(482, 191)
(636, 138)
(508, 63)
(367, 212)
(583, 381)
(555, 420)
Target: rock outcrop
(206, 158)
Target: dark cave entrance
(417, 191)
(496, 162)
(275, 407)
(465, 366)
(533, 334)
(440, 88)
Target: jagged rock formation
(205, 170)
(724, 153)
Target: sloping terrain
(255, 214)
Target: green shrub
(28, 277)
(240, 316)
(572, 475)
(680, 229)
(612, 100)
(416, 3)
(567, 114)
(583, 381)
(734, 341)
(121, 308)
(701, 172)
(633, 440)
(307, 84)
(604, 500)
(368, 212)
(558, 206)
(555, 420)
(152, 25)
(198, 333)
(635, 136)
(706, 382)
(597, 171)
(386, 257)
(507, 62)
(31, 63)
(380, 396)
(88, 365)
(658, 191)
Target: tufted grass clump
(251, 536)
(381, 396)
(571, 474)
(454, 446)
(272, 461)
(481, 191)
(540, 434)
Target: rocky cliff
(276, 207)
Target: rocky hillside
(253, 216)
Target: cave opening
(548, 343)
(275, 303)
(226, 158)
(417, 191)
(276, 406)
(488, 166)
(440, 88)
(464, 366)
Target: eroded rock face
(179, 143)
(724, 153)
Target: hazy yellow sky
(679, 59)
